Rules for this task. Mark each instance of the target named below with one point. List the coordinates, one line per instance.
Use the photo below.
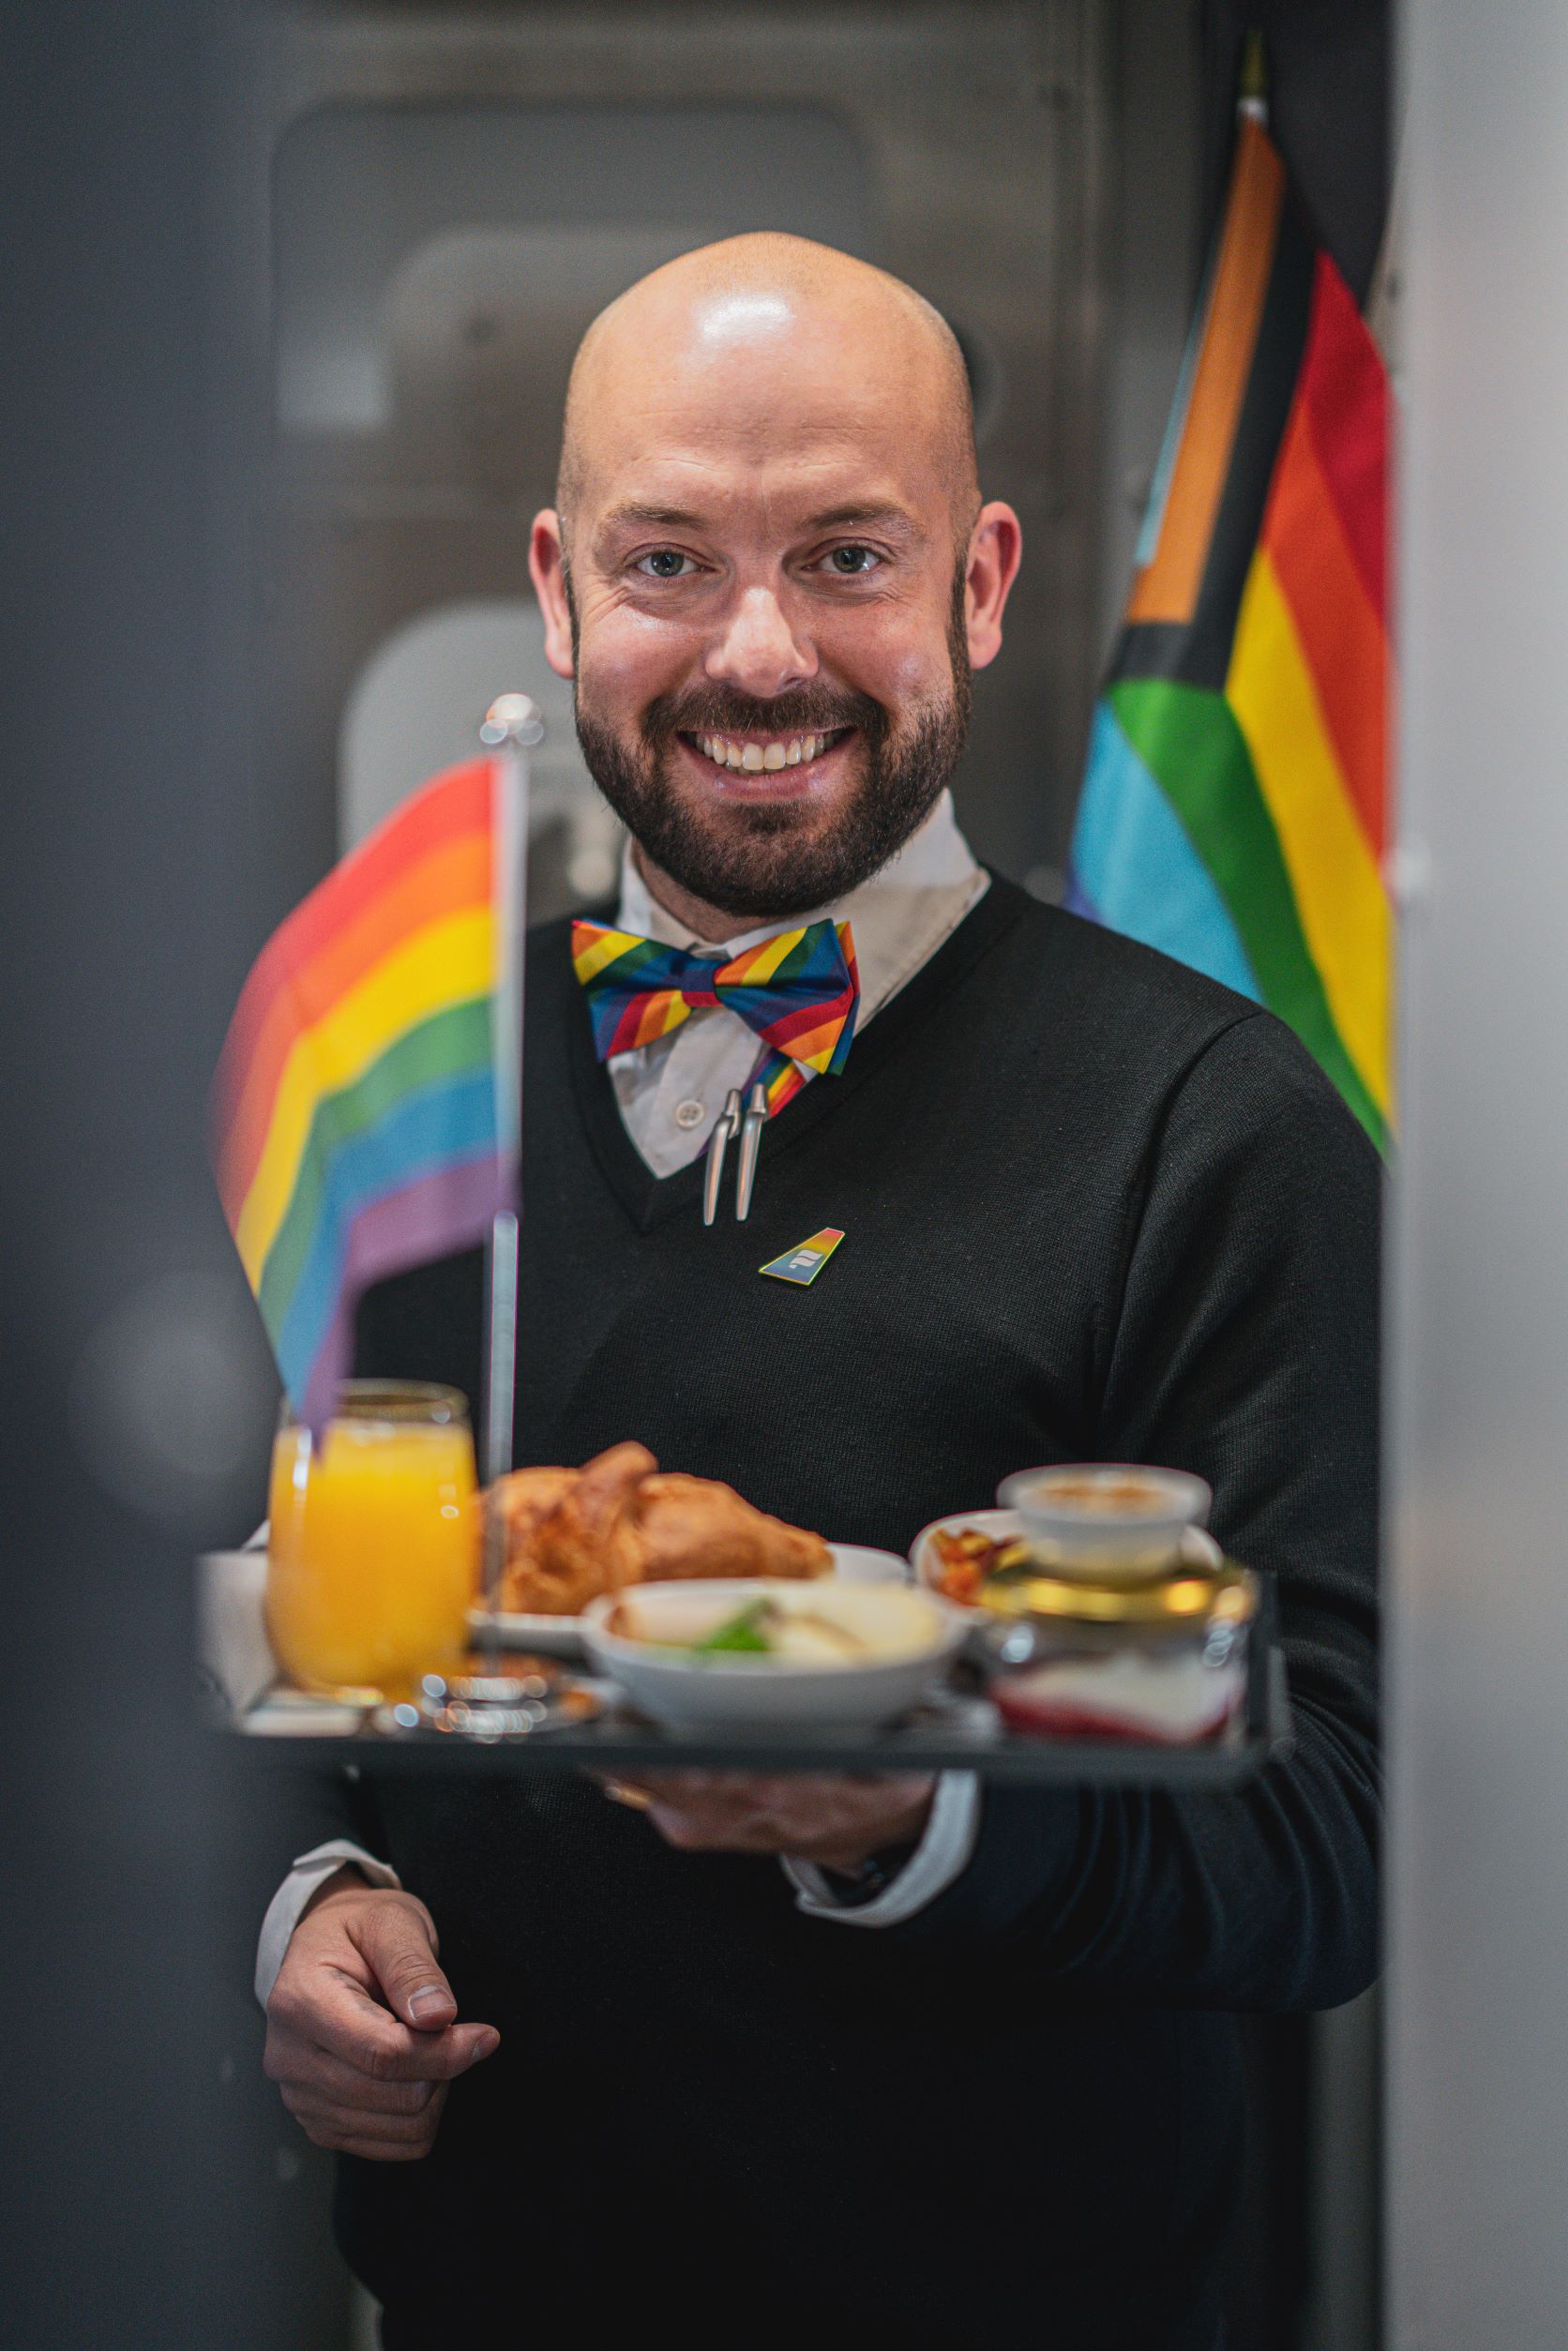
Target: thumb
(398, 1943)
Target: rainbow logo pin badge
(803, 1264)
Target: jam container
(1114, 1616)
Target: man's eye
(665, 563)
(853, 562)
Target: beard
(774, 859)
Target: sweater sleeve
(1243, 1345)
(280, 1807)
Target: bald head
(769, 575)
(749, 325)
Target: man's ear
(995, 552)
(547, 567)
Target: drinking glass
(373, 1553)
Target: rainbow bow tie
(798, 991)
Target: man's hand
(361, 2036)
(834, 1819)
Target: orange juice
(373, 1555)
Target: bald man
(892, 2061)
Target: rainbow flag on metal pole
(365, 1107)
(1234, 808)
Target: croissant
(572, 1534)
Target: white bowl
(741, 1692)
(997, 1526)
(858, 1564)
(1198, 1546)
(561, 1636)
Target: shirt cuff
(282, 1912)
(942, 1855)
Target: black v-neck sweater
(1094, 1207)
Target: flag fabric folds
(1234, 808)
(364, 1115)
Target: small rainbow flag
(365, 1112)
(1235, 808)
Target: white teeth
(752, 759)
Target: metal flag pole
(512, 725)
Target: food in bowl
(573, 1535)
(965, 1558)
(787, 1628)
(750, 1655)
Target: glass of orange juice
(373, 1553)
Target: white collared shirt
(669, 1094)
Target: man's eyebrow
(631, 512)
(634, 513)
(863, 516)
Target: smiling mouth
(757, 755)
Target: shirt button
(690, 1114)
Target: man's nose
(758, 653)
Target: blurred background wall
(1478, 1890)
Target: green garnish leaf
(745, 1630)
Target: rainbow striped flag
(364, 1110)
(1235, 808)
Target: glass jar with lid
(1114, 1613)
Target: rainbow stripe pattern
(364, 1110)
(1235, 805)
(799, 991)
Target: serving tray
(954, 1730)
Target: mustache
(717, 710)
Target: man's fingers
(340, 2017)
(396, 1941)
(324, 2117)
(836, 1818)
(362, 2077)
(423, 2056)
(349, 2134)
(375, 2152)
(685, 1787)
(708, 1830)
(316, 2074)
(396, 2130)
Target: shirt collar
(900, 917)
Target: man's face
(767, 599)
(774, 805)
